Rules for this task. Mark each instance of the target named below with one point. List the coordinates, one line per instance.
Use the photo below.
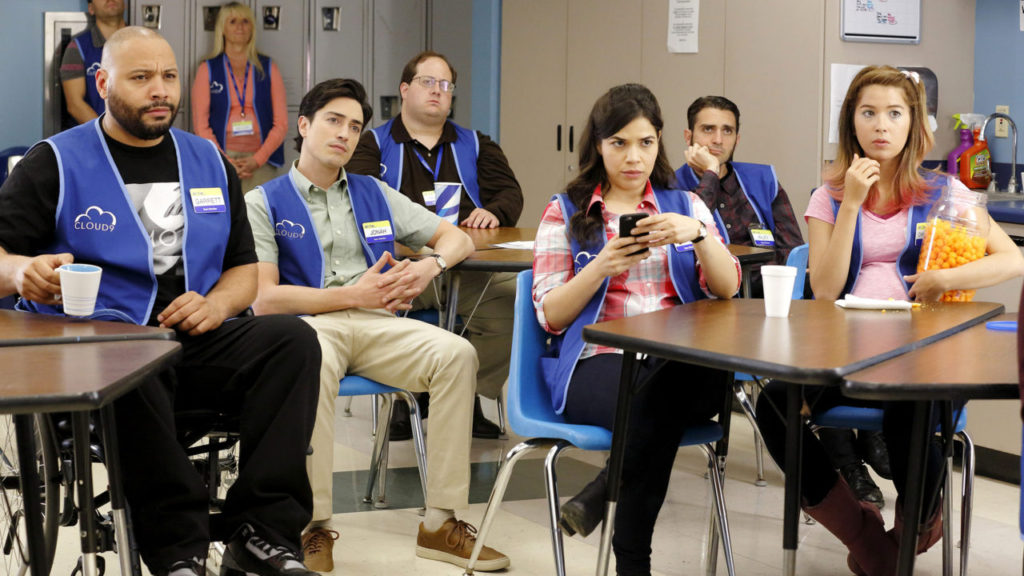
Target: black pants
(817, 474)
(264, 369)
(676, 396)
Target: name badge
(242, 128)
(207, 200)
(429, 197)
(762, 236)
(919, 232)
(379, 231)
(684, 247)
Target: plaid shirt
(645, 287)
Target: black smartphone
(626, 224)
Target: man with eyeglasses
(422, 146)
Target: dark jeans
(677, 396)
(264, 369)
(817, 474)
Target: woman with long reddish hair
(863, 234)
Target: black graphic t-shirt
(28, 204)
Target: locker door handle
(558, 138)
(570, 138)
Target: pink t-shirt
(882, 242)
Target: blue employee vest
(91, 56)
(301, 256)
(758, 183)
(465, 150)
(911, 248)
(565, 349)
(220, 102)
(98, 223)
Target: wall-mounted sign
(881, 21)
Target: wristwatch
(440, 261)
(701, 234)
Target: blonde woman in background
(238, 99)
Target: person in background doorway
(238, 99)
(82, 59)
(422, 146)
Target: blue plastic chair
(353, 385)
(798, 258)
(862, 418)
(530, 414)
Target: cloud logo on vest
(289, 229)
(216, 87)
(582, 259)
(96, 219)
(91, 70)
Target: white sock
(319, 524)
(436, 517)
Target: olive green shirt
(331, 211)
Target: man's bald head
(127, 37)
(139, 79)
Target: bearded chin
(131, 119)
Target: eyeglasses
(429, 81)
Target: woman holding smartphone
(586, 272)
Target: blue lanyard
(433, 171)
(245, 84)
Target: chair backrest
(5, 157)
(798, 258)
(528, 398)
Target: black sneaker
(249, 554)
(401, 424)
(482, 427)
(863, 486)
(187, 567)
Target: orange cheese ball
(946, 245)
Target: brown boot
(859, 526)
(928, 534)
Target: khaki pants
(406, 354)
(262, 174)
(490, 329)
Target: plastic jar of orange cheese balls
(956, 233)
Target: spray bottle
(966, 141)
(975, 170)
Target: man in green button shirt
(324, 240)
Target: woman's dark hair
(611, 113)
(323, 93)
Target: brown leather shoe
(318, 549)
(453, 543)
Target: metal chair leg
(380, 441)
(348, 408)
(501, 412)
(717, 489)
(748, 410)
(967, 501)
(551, 486)
(947, 516)
(498, 493)
(419, 446)
(374, 413)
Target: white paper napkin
(516, 245)
(859, 303)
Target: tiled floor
(383, 541)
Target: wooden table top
(751, 254)
(975, 363)
(819, 343)
(27, 328)
(488, 258)
(78, 376)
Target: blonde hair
(236, 9)
(910, 184)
